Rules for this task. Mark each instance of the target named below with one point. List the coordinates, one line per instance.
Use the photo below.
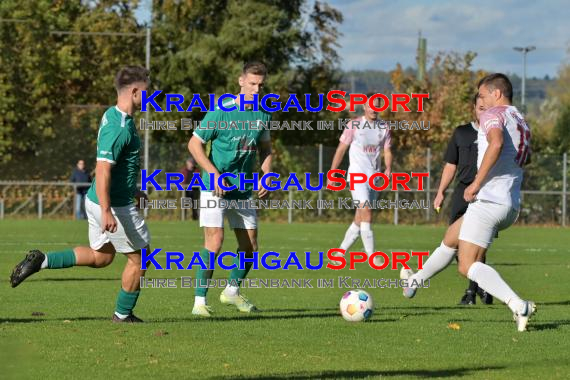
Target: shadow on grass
(435, 308)
(252, 317)
(561, 303)
(35, 319)
(553, 325)
(456, 372)
(63, 279)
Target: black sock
(473, 286)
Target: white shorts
(132, 232)
(245, 218)
(483, 220)
(363, 192)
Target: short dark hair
(129, 75)
(254, 67)
(474, 99)
(499, 82)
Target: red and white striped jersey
(503, 183)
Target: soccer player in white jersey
(494, 196)
(366, 137)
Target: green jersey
(118, 143)
(235, 136)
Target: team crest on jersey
(247, 144)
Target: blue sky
(377, 34)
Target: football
(356, 305)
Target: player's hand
(218, 191)
(262, 192)
(438, 201)
(388, 172)
(470, 193)
(138, 196)
(330, 183)
(108, 222)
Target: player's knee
(102, 259)
(134, 262)
(249, 247)
(215, 245)
(365, 215)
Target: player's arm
(447, 176)
(496, 141)
(196, 148)
(103, 190)
(451, 158)
(388, 154)
(338, 156)
(266, 155)
(201, 136)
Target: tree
(44, 75)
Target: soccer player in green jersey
(114, 221)
(233, 150)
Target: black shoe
(468, 299)
(486, 298)
(128, 319)
(30, 265)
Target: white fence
(544, 198)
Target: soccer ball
(356, 305)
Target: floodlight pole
(524, 50)
(146, 131)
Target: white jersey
(503, 183)
(366, 139)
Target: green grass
(300, 334)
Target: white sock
(199, 301)
(122, 316)
(350, 237)
(45, 262)
(436, 262)
(231, 290)
(490, 281)
(367, 236)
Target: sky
(378, 34)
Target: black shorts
(458, 204)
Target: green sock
(203, 275)
(239, 274)
(61, 259)
(126, 301)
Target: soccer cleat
(522, 318)
(335, 254)
(238, 301)
(128, 319)
(406, 274)
(30, 265)
(486, 298)
(202, 310)
(468, 298)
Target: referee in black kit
(461, 158)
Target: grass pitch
(56, 325)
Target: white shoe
(335, 254)
(408, 291)
(202, 310)
(522, 318)
(405, 274)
